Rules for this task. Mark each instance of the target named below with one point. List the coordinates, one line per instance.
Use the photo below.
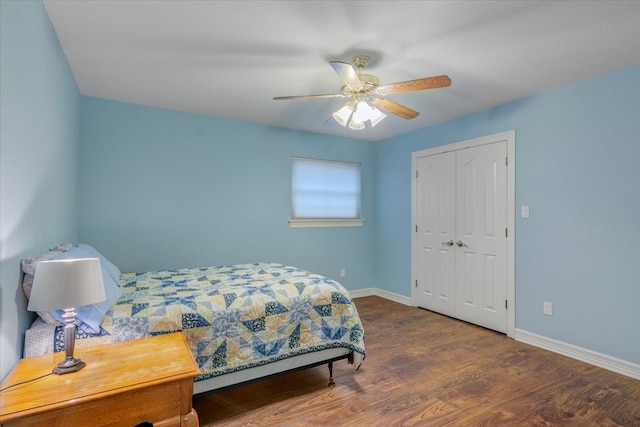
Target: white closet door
(481, 242)
(436, 252)
(460, 249)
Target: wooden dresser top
(111, 369)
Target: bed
(243, 322)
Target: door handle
(449, 243)
(461, 244)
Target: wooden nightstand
(124, 384)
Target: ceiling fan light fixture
(365, 112)
(355, 124)
(356, 114)
(361, 112)
(343, 114)
(376, 116)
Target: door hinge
(506, 161)
(506, 232)
(505, 304)
(416, 174)
(416, 285)
(416, 228)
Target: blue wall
(164, 189)
(39, 112)
(578, 169)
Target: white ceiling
(230, 58)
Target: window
(324, 193)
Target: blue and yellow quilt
(239, 316)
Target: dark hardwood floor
(423, 368)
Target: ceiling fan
(367, 95)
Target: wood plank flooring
(423, 368)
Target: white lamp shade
(376, 116)
(365, 112)
(67, 283)
(356, 125)
(362, 112)
(342, 115)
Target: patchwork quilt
(234, 317)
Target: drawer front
(151, 404)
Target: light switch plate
(524, 211)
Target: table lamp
(67, 284)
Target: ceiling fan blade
(394, 108)
(411, 85)
(328, 95)
(347, 73)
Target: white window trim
(321, 222)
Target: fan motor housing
(369, 84)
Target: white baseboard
(588, 356)
(584, 355)
(367, 292)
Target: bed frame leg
(331, 382)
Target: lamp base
(68, 365)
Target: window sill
(309, 223)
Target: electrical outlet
(548, 309)
(343, 272)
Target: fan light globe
(356, 125)
(359, 116)
(376, 116)
(365, 112)
(342, 115)
(362, 112)
(355, 115)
